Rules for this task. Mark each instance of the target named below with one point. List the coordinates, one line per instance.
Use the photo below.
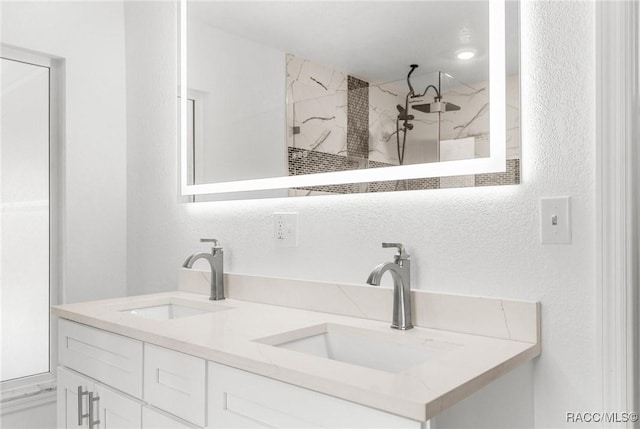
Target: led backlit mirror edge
(496, 162)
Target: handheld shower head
(403, 116)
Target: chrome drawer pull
(81, 416)
(93, 399)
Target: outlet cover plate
(285, 229)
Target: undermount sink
(172, 311)
(385, 352)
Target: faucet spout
(188, 263)
(376, 275)
(400, 272)
(215, 260)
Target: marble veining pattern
(383, 99)
(432, 310)
(316, 106)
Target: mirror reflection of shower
(420, 102)
(340, 121)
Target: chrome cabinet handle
(93, 399)
(81, 415)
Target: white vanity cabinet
(239, 399)
(125, 383)
(84, 403)
(100, 382)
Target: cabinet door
(73, 410)
(115, 410)
(112, 409)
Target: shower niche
(346, 103)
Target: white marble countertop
(465, 363)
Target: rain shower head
(436, 106)
(418, 101)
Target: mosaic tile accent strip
(405, 185)
(465, 181)
(303, 161)
(509, 177)
(357, 118)
(401, 185)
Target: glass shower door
(24, 219)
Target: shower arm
(438, 96)
(412, 93)
(413, 67)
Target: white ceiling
(376, 40)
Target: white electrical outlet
(555, 220)
(285, 229)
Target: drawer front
(239, 399)
(156, 419)
(110, 358)
(175, 382)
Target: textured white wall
(90, 37)
(481, 241)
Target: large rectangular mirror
(304, 98)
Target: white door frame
(618, 196)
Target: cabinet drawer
(110, 358)
(156, 419)
(239, 399)
(175, 382)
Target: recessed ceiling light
(466, 55)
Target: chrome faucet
(400, 270)
(215, 262)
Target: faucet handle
(216, 243)
(401, 252)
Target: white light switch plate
(285, 229)
(555, 220)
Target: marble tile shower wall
(316, 107)
(338, 122)
(472, 120)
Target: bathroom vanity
(281, 353)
